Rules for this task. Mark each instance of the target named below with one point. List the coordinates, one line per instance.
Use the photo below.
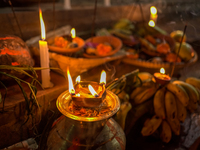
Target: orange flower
(103, 49)
(60, 42)
(163, 48)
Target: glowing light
(162, 70)
(103, 77)
(153, 10)
(151, 23)
(42, 25)
(71, 87)
(73, 33)
(92, 91)
(77, 95)
(78, 79)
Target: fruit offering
(171, 103)
(101, 49)
(65, 42)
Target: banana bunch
(171, 103)
(144, 92)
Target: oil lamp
(161, 77)
(87, 108)
(87, 93)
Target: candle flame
(92, 91)
(103, 77)
(151, 23)
(71, 87)
(78, 79)
(42, 25)
(73, 33)
(77, 95)
(153, 10)
(162, 70)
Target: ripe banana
(181, 111)
(175, 125)
(170, 105)
(146, 94)
(192, 93)
(198, 90)
(166, 132)
(159, 103)
(122, 113)
(151, 126)
(145, 76)
(179, 92)
(193, 81)
(141, 88)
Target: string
(172, 72)
(94, 18)
(10, 3)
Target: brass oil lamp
(86, 123)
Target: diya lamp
(72, 39)
(44, 56)
(161, 77)
(87, 121)
(87, 93)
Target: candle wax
(44, 62)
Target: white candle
(44, 56)
(67, 4)
(107, 2)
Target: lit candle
(44, 56)
(73, 33)
(153, 15)
(161, 77)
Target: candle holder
(161, 78)
(84, 98)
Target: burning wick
(73, 33)
(71, 87)
(161, 77)
(92, 91)
(103, 77)
(78, 79)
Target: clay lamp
(87, 93)
(161, 77)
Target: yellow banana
(159, 103)
(151, 126)
(181, 111)
(141, 88)
(192, 93)
(198, 90)
(145, 76)
(145, 94)
(179, 92)
(170, 105)
(193, 81)
(175, 125)
(123, 96)
(192, 106)
(166, 132)
(190, 89)
(122, 113)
